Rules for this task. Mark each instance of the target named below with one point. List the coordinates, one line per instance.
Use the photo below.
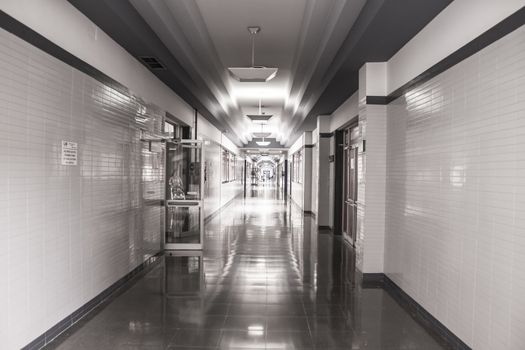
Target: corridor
(266, 279)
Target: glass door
(349, 216)
(184, 195)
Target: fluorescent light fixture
(253, 74)
(259, 118)
(262, 143)
(257, 74)
(261, 135)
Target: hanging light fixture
(260, 118)
(263, 143)
(261, 134)
(253, 74)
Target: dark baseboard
(88, 307)
(422, 316)
(305, 212)
(322, 227)
(295, 203)
(310, 213)
(373, 280)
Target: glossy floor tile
(267, 279)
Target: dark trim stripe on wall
(103, 297)
(418, 312)
(377, 100)
(32, 37)
(503, 28)
(326, 135)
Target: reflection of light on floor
(256, 330)
(138, 326)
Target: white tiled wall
(455, 224)
(67, 232)
(371, 188)
(212, 183)
(217, 193)
(296, 189)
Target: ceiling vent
(253, 74)
(152, 63)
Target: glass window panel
(183, 168)
(183, 225)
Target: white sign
(69, 153)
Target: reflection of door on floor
(349, 217)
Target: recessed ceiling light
(263, 143)
(253, 74)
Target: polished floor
(267, 279)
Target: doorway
(350, 172)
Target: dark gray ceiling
(382, 28)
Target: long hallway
(266, 279)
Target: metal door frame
(186, 202)
(350, 145)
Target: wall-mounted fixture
(253, 74)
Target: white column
(372, 170)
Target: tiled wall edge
(88, 307)
(425, 318)
(505, 27)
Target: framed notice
(69, 153)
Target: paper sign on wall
(69, 153)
